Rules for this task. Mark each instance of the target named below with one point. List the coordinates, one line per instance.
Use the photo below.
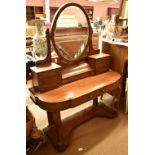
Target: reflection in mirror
(71, 33)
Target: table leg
(55, 132)
(116, 98)
(59, 131)
(95, 101)
(106, 111)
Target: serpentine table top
(78, 92)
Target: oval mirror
(70, 32)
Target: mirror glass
(71, 33)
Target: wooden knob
(91, 96)
(103, 91)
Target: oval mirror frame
(54, 23)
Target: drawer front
(86, 97)
(103, 60)
(102, 67)
(93, 95)
(49, 80)
(49, 84)
(50, 74)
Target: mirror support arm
(91, 49)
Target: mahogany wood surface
(78, 92)
(75, 68)
(47, 77)
(59, 131)
(99, 62)
(119, 55)
(76, 71)
(51, 66)
(68, 71)
(72, 94)
(71, 83)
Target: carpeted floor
(99, 136)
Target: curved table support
(77, 93)
(59, 131)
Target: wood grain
(79, 88)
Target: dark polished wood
(69, 83)
(73, 69)
(72, 72)
(59, 131)
(99, 62)
(78, 92)
(47, 77)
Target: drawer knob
(103, 91)
(90, 96)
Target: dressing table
(81, 74)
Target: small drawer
(103, 60)
(102, 68)
(86, 97)
(79, 100)
(49, 80)
(49, 74)
(46, 86)
(94, 94)
(100, 63)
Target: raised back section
(71, 38)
